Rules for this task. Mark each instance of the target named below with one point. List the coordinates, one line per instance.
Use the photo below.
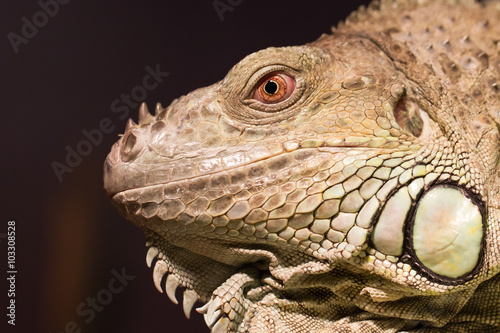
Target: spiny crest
(380, 10)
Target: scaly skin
(305, 214)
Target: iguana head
(339, 184)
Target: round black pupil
(271, 87)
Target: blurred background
(66, 66)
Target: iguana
(351, 184)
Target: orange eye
(274, 88)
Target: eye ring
(274, 88)
(295, 87)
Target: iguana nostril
(130, 149)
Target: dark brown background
(63, 81)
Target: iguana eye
(274, 88)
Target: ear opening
(408, 116)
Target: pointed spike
(207, 322)
(203, 309)
(214, 304)
(446, 44)
(162, 114)
(213, 318)
(190, 298)
(221, 326)
(158, 272)
(484, 23)
(158, 109)
(152, 253)
(213, 312)
(130, 124)
(143, 113)
(171, 286)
